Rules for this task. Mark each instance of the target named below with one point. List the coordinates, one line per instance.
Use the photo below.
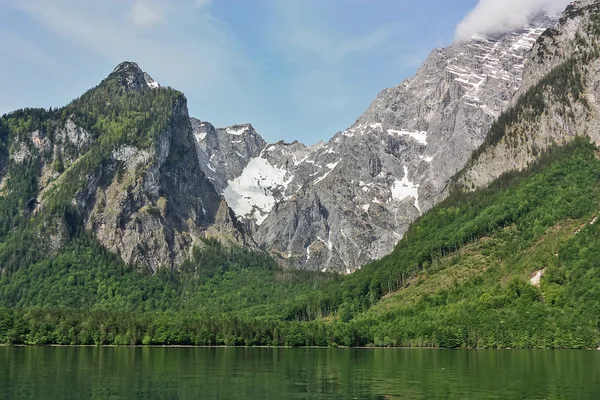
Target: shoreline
(276, 347)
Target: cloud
(145, 14)
(493, 17)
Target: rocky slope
(559, 98)
(129, 176)
(340, 204)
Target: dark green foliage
(90, 297)
(20, 188)
(84, 275)
(217, 279)
(120, 117)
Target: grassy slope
(479, 299)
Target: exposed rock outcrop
(559, 98)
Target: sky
(296, 69)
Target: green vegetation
(460, 278)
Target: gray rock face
(155, 219)
(132, 78)
(337, 205)
(152, 218)
(230, 149)
(570, 49)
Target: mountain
(121, 163)
(558, 100)
(229, 149)
(335, 206)
(511, 263)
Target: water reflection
(223, 373)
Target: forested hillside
(460, 278)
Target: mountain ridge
(339, 204)
(554, 114)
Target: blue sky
(295, 69)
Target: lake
(260, 373)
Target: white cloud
(493, 17)
(145, 14)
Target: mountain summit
(131, 77)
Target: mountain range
(460, 209)
(160, 181)
(335, 206)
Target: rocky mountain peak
(240, 130)
(132, 78)
(579, 4)
(340, 204)
(224, 152)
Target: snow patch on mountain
(152, 84)
(420, 137)
(254, 193)
(237, 131)
(403, 189)
(331, 168)
(200, 136)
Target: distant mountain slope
(559, 99)
(337, 205)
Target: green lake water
(259, 373)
